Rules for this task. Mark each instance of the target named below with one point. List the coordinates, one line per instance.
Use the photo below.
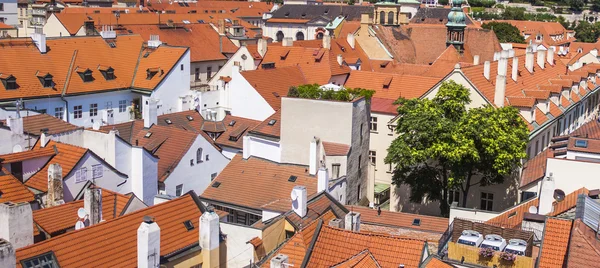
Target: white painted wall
(570, 175)
(54, 28)
(175, 86)
(239, 253)
(263, 148)
(144, 174)
(30, 166)
(242, 93)
(470, 214)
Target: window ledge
(374, 132)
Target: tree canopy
(314, 91)
(506, 32)
(442, 146)
(587, 32)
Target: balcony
(471, 256)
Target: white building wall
(239, 253)
(263, 148)
(54, 28)
(9, 14)
(174, 87)
(144, 175)
(570, 175)
(288, 29)
(471, 214)
(197, 176)
(241, 94)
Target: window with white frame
(58, 112)
(199, 155)
(213, 176)
(487, 201)
(335, 171)
(373, 157)
(97, 171)
(81, 175)
(94, 109)
(178, 189)
(373, 125)
(77, 111)
(122, 106)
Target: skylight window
(169, 121)
(216, 184)
(272, 122)
(416, 222)
(148, 134)
(188, 225)
(581, 143)
(47, 260)
(190, 118)
(232, 123)
(292, 178)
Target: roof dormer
(86, 75)
(9, 82)
(107, 72)
(46, 80)
(151, 72)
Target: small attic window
(272, 122)
(151, 72)
(216, 184)
(581, 143)
(108, 73)
(232, 123)
(276, 94)
(416, 222)
(10, 82)
(148, 134)
(169, 121)
(46, 80)
(86, 75)
(514, 213)
(268, 65)
(188, 225)
(1, 193)
(190, 118)
(292, 178)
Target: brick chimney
(503, 63)
(541, 57)
(340, 59)
(8, 258)
(287, 42)
(326, 41)
(148, 244)
(279, 261)
(486, 70)
(323, 180)
(54, 197)
(92, 203)
(154, 41)
(313, 156)
(476, 60)
(515, 69)
(39, 38)
(209, 238)
(16, 224)
(550, 56)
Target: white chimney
(16, 125)
(16, 224)
(352, 221)
(502, 65)
(476, 60)
(8, 258)
(144, 170)
(546, 195)
(148, 244)
(209, 238)
(511, 53)
(504, 54)
(154, 41)
(529, 59)
(551, 56)
(340, 59)
(299, 200)
(326, 41)
(323, 180)
(486, 70)
(279, 261)
(246, 147)
(44, 139)
(313, 156)
(108, 32)
(92, 203)
(350, 40)
(541, 57)
(515, 69)
(336, 223)
(150, 113)
(500, 91)
(54, 197)
(287, 42)
(262, 47)
(496, 56)
(39, 38)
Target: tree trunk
(444, 208)
(465, 190)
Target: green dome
(456, 18)
(457, 3)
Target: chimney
(39, 38)
(353, 221)
(515, 69)
(108, 32)
(546, 195)
(511, 53)
(279, 261)
(313, 156)
(16, 224)
(209, 238)
(486, 69)
(148, 244)
(222, 26)
(299, 200)
(154, 41)
(262, 47)
(496, 56)
(336, 223)
(92, 203)
(502, 65)
(8, 258)
(500, 92)
(144, 170)
(16, 125)
(326, 41)
(287, 42)
(551, 56)
(350, 40)
(54, 197)
(340, 59)
(150, 113)
(476, 60)
(541, 57)
(323, 180)
(529, 59)
(246, 147)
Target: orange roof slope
(317, 207)
(114, 242)
(554, 242)
(34, 123)
(400, 219)
(363, 259)
(335, 149)
(235, 128)
(535, 168)
(270, 130)
(68, 156)
(26, 155)
(334, 246)
(584, 248)
(63, 217)
(272, 84)
(391, 86)
(244, 182)
(12, 190)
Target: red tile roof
(68, 156)
(405, 86)
(243, 182)
(26, 155)
(401, 220)
(272, 84)
(383, 106)
(547, 29)
(114, 242)
(535, 168)
(584, 248)
(236, 128)
(264, 128)
(554, 242)
(12, 190)
(363, 259)
(335, 149)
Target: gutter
(64, 91)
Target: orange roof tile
(271, 84)
(4, 26)
(437, 263)
(554, 242)
(270, 130)
(525, 102)
(34, 123)
(12, 190)
(537, 94)
(68, 156)
(363, 259)
(554, 110)
(26, 155)
(540, 117)
(547, 29)
(401, 220)
(243, 182)
(335, 149)
(535, 168)
(236, 127)
(584, 248)
(405, 86)
(113, 242)
(384, 106)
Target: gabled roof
(317, 206)
(406, 86)
(554, 243)
(401, 220)
(114, 242)
(364, 259)
(12, 190)
(350, 13)
(384, 106)
(67, 157)
(335, 149)
(235, 128)
(27, 155)
(272, 84)
(34, 123)
(244, 183)
(55, 219)
(535, 168)
(584, 248)
(546, 28)
(267, 129)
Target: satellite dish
(559, 195)
(81, 213)
(533, 210)
(79, 225)
(294, 195)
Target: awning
(381, 187)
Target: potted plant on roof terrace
(486, 252)
(508, 257)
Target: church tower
(455, 34)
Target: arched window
(279, 36)
(391, 17)
(199, 155)
(299, 36)
(319, 36)
(381, 17)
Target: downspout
(64, 91)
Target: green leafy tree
(595, 5)
(563, 22)
(576, 5)
(314, 91)
(586, 32)
(506, 32)
(514, 13)
(443, 146)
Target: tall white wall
(144, 175)
(173, 87)
(240, 253)
(263, 148)
(242, 93)
(54, 28)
